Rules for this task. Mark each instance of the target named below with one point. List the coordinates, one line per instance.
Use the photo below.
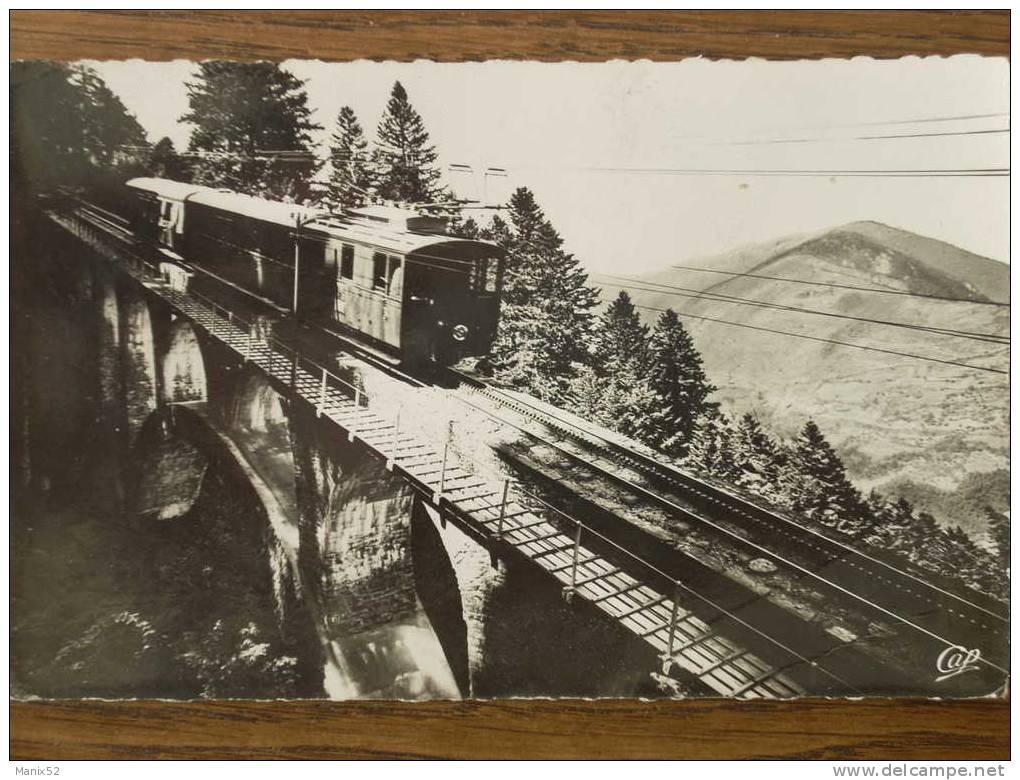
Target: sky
(608, 148)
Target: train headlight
(459, 332)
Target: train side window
(347, 261)
(165, 210)
(379, 279)
(393, 277)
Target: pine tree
(611, 390)
(546, 318)
(46, 126)
(677, 379)
(616, 402)
(466, 228)
(621, 339)
(880, 511)
(350, 180)
(404, 158)
(951, 550)
(110, 134)
(252, 129)
(926, 544)
(966, 558)
(712, 449)
(498, 232)
(588, 397)
(998, 533)
(759, 458)
(897, 530)
(165, 162)
(825, 494)
(67, 127)
(891, 523)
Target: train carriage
(156, 213)
(389, 276)
(403, 282)
(250, 242)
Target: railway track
(931, 611)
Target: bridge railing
(283, 358)
(219, 310)
(583, 533)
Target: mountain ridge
(993, 274)
(897, 420)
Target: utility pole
(297, 258)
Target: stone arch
(108, 340)
(356, 536)
(138, 359)
(522, 637)
(183, 368)
(170, 464)
(254, 419)
(439, 589)
(84, 280)
(256, 407)
(183, 458)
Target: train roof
(385, 227)
(395, 236)
(256, 208)
(167, 188)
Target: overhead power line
(830, 341)
(791, 172)
(992, 131)
(924, 120)
(859, 288)
(878, 123)
(684, 292)
(844, 139)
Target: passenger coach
(388, 276)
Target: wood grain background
(510, 729)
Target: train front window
(487, 275)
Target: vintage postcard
(510, 379)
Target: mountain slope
(899, 422)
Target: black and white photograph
(508, 379)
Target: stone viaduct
(402, 603)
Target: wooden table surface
(878, 729)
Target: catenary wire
(828, 341)
(841, 286)
(685, 292)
